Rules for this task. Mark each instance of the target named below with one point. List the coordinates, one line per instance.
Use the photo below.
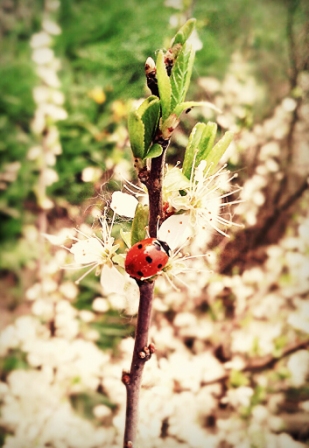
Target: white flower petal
(174, 181)
(42, 56)
(123, 204)
(112, 281)
(87, 251)
(175, 230)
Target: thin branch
(141, 354)
(154, 186)
(142, 351)
(263, 363)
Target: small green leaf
(189, 104)
(154, 151)
(126, 237)
(142, 125)
(119, 258)
(184, 32)
(164, 85)
(145, 104)
(214, 156)
(200, 143)
(150, 118)
(181, 75)
(140, 222)
(192, 149)
(207, 142)
(136, 130)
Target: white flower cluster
(201, 197)
(194, 206)
(68, 362)
(49, 100)
(8, 174)
(237, 96)
(269, 137)
(35, 406)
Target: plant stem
(142, 351)
(133, 380)
(154, 186)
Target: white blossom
(298, 365)
(123, 204)
(300, 318)
(100, 305)
(203, 198)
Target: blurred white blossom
(298, 365)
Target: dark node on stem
(170, 58)
(162, 141)
(150, 72)
(167, 211)
(188, 110)
(143, 175)
(126, 378)
(146, 351)
(152, 348)
(142, 355)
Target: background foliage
(254, 65)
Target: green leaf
(164, 86)
(192, 149)
(181, 75)
(126, 237)
(142, 125)
(200, 143)
(154, 151)
(214, 156)
(189, 104)
(184, 32)
(145, 104)
(207, 142)
(150, 118)
(119, 258)
(136, 130)
(140, 222)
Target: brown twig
(141, 354)
(142, 350)
(263, 363)
(154, 186)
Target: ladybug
(146, 258)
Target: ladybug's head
(165, 247)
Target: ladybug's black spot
(140, 246)
(159, 266)
(148, 259)
(140, 273)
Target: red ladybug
(146, 258)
